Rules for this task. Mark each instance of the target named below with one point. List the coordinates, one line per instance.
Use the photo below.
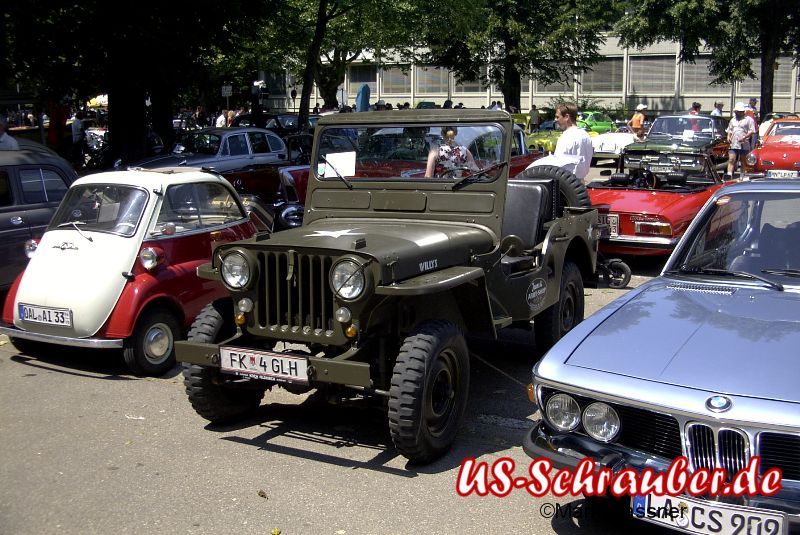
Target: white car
(116, 267)
(610, 145)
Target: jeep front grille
(722, 448)
(294, 295)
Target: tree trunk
(511, 86)
(311, 62)
(769, 54)
(126, 106)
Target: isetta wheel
(151, 348)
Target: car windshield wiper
(75, 224)
(338, 174)
(684, 269)
(788, 272)
(472, 177)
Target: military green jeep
(401, 252)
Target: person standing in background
(752, 112)
(717, 111)
(534, 122)
(741, 130)
(574, 141)
(636, 124)
(6, 141)
(221, 119)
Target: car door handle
(16, 220)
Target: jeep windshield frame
(399, 151)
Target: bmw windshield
(110, 208)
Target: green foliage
(544, 40)
(733, 30)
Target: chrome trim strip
(95, 343)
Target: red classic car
(117, 265)
(778, 153)
(648, 209)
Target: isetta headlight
(348, 280)
(30, 248)
(235, 270)
(149, 258)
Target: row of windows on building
(646, 75)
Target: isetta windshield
(110, 208)
(441, 151)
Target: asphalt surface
(86, 447)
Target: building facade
(623, 78)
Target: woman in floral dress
(449, 157)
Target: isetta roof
(152, 177)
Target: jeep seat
(528, 204)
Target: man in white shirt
(574, 141)
(221, 120)
(6, 142)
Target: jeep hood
(411, 247)
(670, 144)
(743, 342)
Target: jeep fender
(465, 289)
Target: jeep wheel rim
(442, 394)
(158, 343)
(568, 309)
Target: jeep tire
(205, 388)
(573, 191)
(557, 320)
(150, 350)
(428, 393)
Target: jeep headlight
(235, 270)
(347, 279)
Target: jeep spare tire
(573, 191)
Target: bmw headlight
(149, 258)
(751, 159)
(235, 270)
(563, 412)
(347, 279)
(601, 422)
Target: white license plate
(781, 173)
(276, 366)
(661, 168)
(612, 220)
(692, 515)
(61, 317)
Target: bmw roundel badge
(719, 403)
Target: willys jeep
(391, 268)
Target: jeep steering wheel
(451, 171)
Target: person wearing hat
(380, 105)
(636, 124)
(741, 129)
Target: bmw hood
(70, 272)
(410, 248)
(737, 341)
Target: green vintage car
(688, 135)
(595, 121)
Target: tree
(733, 30)
(319, 39)
(547, 41)
(132, 51)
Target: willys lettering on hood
(726, 342)
(411, 248)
